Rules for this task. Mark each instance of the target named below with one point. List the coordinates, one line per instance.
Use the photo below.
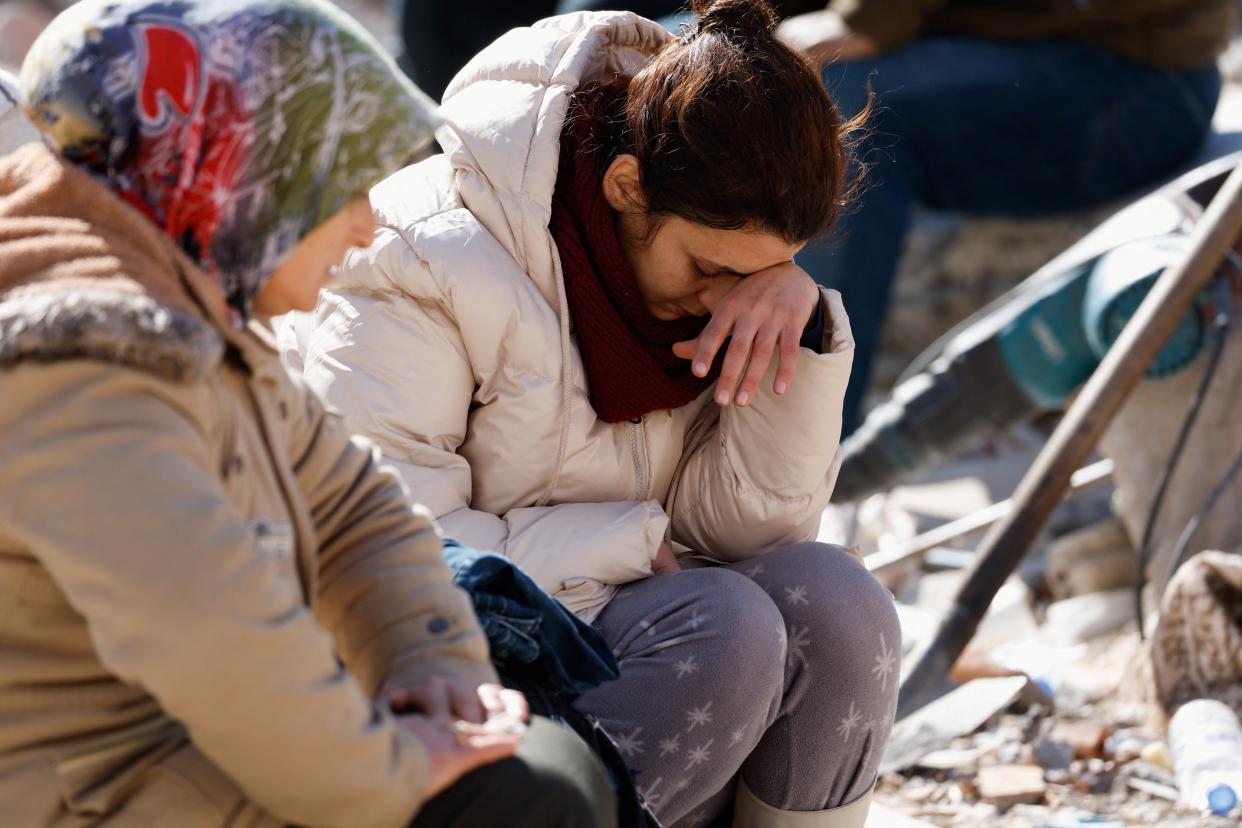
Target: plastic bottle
(1206, 740)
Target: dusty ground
(1073, 718)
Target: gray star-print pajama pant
(782, 668)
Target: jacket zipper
(640, 462)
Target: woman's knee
(742, 617)
(834, 607)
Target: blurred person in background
(1018, 108)
(16, 128)
(219, 608)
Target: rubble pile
(1048, 724)
(1077, 755)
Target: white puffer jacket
(448, 342)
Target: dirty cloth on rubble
(1196, 650)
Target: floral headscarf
(235, 126)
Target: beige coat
(448, 342)
(204, 580)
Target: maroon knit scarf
(630, 366)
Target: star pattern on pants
(686, 667)
(796, 595)
(700, 754)
(699, 716)
(672, 745)
(649, 793)
(885, 664)
(849, 723)
(630, 745)
(799, 640)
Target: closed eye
(711, 270)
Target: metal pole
(914, 549)
(1077, 434)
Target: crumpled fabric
(531, 636)
(1196, 649)
(237, 127)
(550, 655)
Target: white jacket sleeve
(396, 368)
(756, 477)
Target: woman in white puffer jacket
(508, 340)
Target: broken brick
(1008, 785)
(1086, 738)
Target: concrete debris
(1047, 724)
(1077, 820)
(1096, 559)
(999, 751)
(958, 713)
(951, 759)
(1089, 616)
(1155, 789)
(1085, 738)
(1158, 754)
(1127, 744)
(1007, 785)
(882, 817)
(1053, 755)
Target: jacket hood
(84, 275)
(504, 113)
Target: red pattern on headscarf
(195, 141)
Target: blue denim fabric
(530, 634)
(994, 128)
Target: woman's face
(295, 284)
(684, 268)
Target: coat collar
(84, 275)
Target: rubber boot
(749, 811)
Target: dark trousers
(554, 781)
(438, 37)
(992, 128)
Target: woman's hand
(665, 561)
(456, 748)
(824, 37)
(450, 697)
(766, 312)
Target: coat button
(437, 625)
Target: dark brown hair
(734, 129)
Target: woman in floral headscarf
(217, 608)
